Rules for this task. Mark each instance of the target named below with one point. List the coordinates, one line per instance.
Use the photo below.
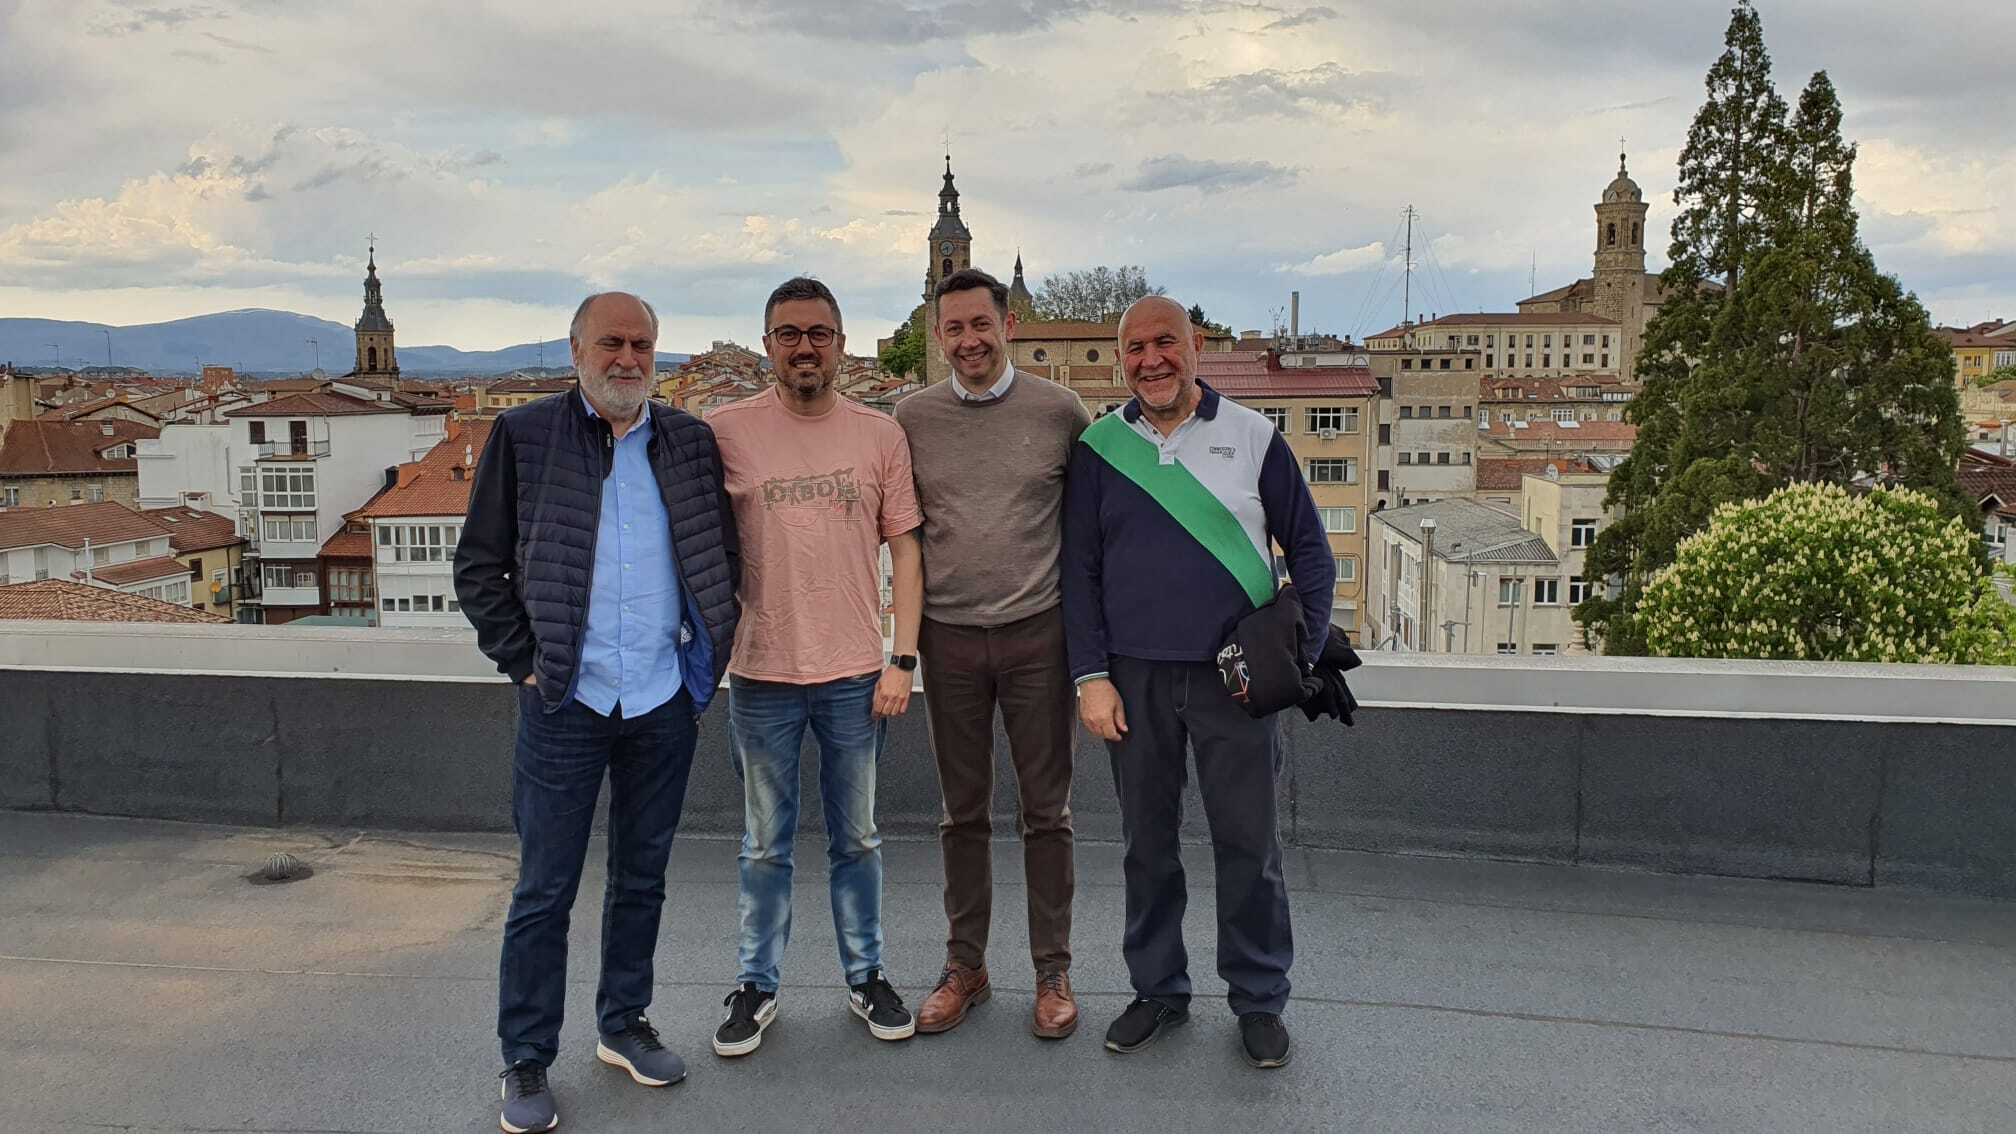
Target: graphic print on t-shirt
(801, 499)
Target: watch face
(945, 248)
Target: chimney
(1294, 314)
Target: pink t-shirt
(814, 499)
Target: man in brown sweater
(989, 447)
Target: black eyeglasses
(788, 335)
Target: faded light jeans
(767, 722)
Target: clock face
(945, 248)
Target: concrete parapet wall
(1864, 775)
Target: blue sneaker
(528, 1102)
(636, 1049)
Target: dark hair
(966, 279)
(801, 287)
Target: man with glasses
(817, 483)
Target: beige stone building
(208, 546)
(47, 464)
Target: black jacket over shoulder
(527, 554)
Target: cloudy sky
(161, 159)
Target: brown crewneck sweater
(990, 479)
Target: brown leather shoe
(1056, 1009)
(959, 989)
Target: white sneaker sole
(877, 1030)
(504, 1091)
(765, 1016)
(613, 1058)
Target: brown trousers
(1021, 667)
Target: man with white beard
(598, 564)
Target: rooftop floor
(147, 986)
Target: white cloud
(1342, 261)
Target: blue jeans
(767, 721)
(556, 777)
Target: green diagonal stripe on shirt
(1186, 500)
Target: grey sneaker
(874, 1001)
(636, 1049)
(528, 1102)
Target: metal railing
(299, 450)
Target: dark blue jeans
(556, 777)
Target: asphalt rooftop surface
(146, 985)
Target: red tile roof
(44, 448)
(1313, 382)
(140, 571)
(1545, 389)
(1508, 472)
(347, 545)
(1520, 318)
(61, 600)
(320, 404)
(430, 486)
(84, 409)
(1982, 475)
(193, 529)
(69, 527)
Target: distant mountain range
(252, 341)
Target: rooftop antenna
(1407, 290)
(1533, 274)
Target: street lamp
(1427, 584)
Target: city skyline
(236, 155)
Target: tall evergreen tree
(1810, 365)
(1731, 171)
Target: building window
(1385, 480)
(287, 490)
(1564, 413)
(1443, 411)
(1606, 342)
(1421, 458)
(1470, 340)
(1582, 533)
(1470, 363)
(1546, 592)
(1578, 589)
(1406, 364)
(1545, 649)
(1606, 360)
(1406, 458)
(1508, 648)
(1347, 568)
(255, 431)
(1406, 413)
(1546, 361)
(1588, 340)
(1529, 345)
(97, 493)
(1489, 361)
(10, 497)
(1041, 355)
(1442, 458)
(1333, 471)
(1339, 521)
(1092, 356)
(1529, 358)
(1344, 616)
(1328, 417)
(1385, 435)
(1277, 417)
(76, 493)
(388, 604)
(290, 529)
(1508, 590)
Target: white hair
(581, 312)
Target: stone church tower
(950, 250)
(1621, 281)
(1020, 302)
(375, 357)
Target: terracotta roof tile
(347, 545)
(140, 570)
(430, 486)
(1508, 472)
(1537, 431)
(193, 529)
(61, 600)
(319, 404)
(69, 527)
(42, 448)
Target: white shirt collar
(998, 390)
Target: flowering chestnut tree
(1818, 573)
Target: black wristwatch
(904, 662)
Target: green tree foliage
(1816, 572)
(905, 353)
(1806, 364)
(1093, 295)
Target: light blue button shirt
(992, 393)
(630, 644)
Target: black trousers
(1171, 706)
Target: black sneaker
(877, 1003)
(750, 1010)
(1140, 1024)
(528, 1101)
(1264, 1038)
